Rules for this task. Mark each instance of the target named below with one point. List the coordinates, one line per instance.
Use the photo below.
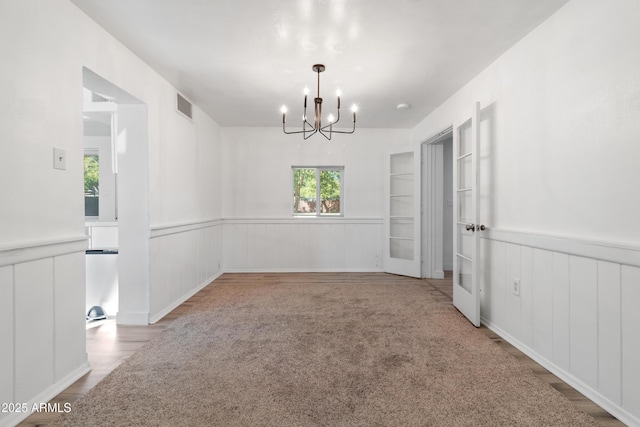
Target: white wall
(261, 234)
(565, 101)
(42, 237)
(257, 169)
(559, 194)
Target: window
(91, 184)
(313, 184)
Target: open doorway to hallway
(437, 206)
(116, 202)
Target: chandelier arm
(346, 132)
(296, 131)
(310, 134)
(325, 135)
(304, 131)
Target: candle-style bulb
(331, 118)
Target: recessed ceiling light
(403, 106)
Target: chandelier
(308, 128)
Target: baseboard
(168, 309)
(437, 274)
(138, 318)
(304, 270)
(592, 394)
(45, 396)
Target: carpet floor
(322, 350)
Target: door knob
(471, 227)
(481, 227)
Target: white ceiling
(240, 60)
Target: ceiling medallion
(309, 129)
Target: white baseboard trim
(304, 270)
(45, 396)
(437, 274)
(124, 318)
(154, 318)
(609, 406)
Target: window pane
(91, 184)
(330, 191)
(304, 191)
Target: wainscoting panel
(70, 301)
(33, 328)
(7, 334)
(630, 297)
(303, 244)
(513, 308)
(583, 318)
(184, 259)
(42, 322)
(609, 331)
(561, 324)
(543, 302)
(527, 293)
(576, 312)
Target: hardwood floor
(108, 345)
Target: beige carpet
(322, 350)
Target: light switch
(59, 158)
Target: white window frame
(318, 213)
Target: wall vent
(184, 106)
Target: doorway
(116, 202)
(437, 205)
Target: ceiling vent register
(184, 106)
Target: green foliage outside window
(309, 183)
(91, 174)
(91, 185)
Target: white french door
(466, 233)
(402, 213)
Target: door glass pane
(464, 140)
(465, 241)
(465, 178)
(401, 206)
(465, 206)
(401, 228)
(464, 274)
(401, 248)
(401, 163)
(401, 185)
